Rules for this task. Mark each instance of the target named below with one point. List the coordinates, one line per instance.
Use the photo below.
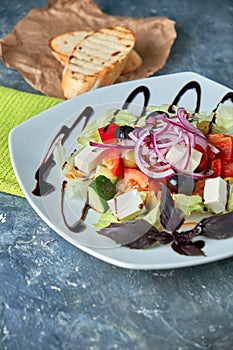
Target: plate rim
(98, 253)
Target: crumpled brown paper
(26, 48)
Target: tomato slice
(216, 166)
(107, 133)
(136, 179)
(212, 137)
(203, 165)
(227, 170)
(224, 144)
(199, 187)
(112, 161)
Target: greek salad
(123, 162)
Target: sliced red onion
(152, 141)
(111, 145)
(137, 132)
(159, 154)
(181, 115)
(176, 130)
(155, 118)
(159, 171)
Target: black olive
(123, 131)
(155, 114)
(179, 183)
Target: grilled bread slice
(134, 61)
(97, 60)
(62, 46)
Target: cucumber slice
(100, 190)
(102, 170)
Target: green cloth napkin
(16, 107)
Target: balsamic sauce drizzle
(131, 97)
(79, 225)
(228, 96)
(189, 86)
(43, 187)
(134, 93)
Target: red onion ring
(152, 141)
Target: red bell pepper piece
(112, 161)
(107, 133)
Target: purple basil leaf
(183, 237)
(188, 249)
(166, 205)
(199, 244)
(143, 242)
(170, 217)
(127, 232)
(217, 226)
(162, 237)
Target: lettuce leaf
(224, 120)
(152, 217)
(189, 204)
(105, 219)
(230, 199)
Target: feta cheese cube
(88, 158)
(175, 152)
(126, 204)
(215, 194)
(195, 159)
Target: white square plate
(29, 142)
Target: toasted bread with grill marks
(62, 46)
(97, 60)
(134, 61)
